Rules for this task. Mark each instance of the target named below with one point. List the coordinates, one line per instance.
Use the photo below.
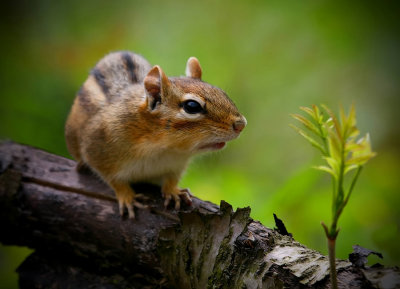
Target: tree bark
(72, 221)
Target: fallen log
(72, 221)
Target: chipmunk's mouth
(213, 146)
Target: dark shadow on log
(80, 241)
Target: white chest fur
(152, 169)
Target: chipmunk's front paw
(177, 195)
(129, 202)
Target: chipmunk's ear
(193, 68)
(156, 84)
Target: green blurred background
(270, 56)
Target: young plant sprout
(345, 155)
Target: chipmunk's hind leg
(126, 198)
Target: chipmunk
(131, 123)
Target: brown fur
(128, 123)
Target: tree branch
(72, 222)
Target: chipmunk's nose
(239, 124)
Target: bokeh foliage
(270, 56)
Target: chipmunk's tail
(111, 78)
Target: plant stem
(332, 262)
(331, 235)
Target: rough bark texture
(80, 241)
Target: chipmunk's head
(195, 115)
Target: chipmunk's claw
(186, 196)
(169, 197)
(183, 194)
(142, 197)
(130, 204)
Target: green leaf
(349, 168)
(326, 169)
(360, 160)
(351, 119)
(362, 153)
(313, 142)
(309, 111)
(306, 123)
(334, 164)
(334, 145)
(353, 132)
(335, 122)
(317, 115)
(343, 121)
(329, 123)
(351, 147)
(348, 123)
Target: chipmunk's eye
(192, 107)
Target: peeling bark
(72, 222)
